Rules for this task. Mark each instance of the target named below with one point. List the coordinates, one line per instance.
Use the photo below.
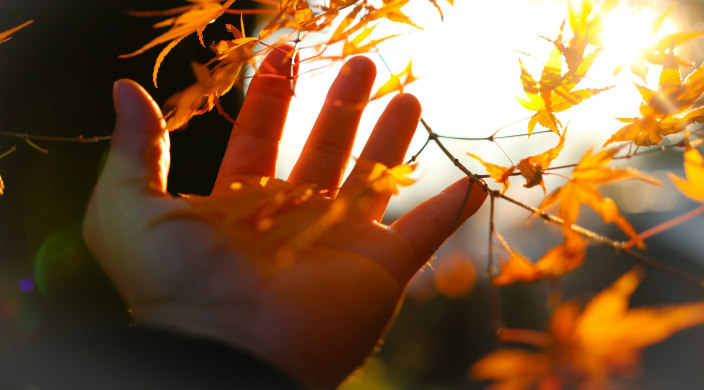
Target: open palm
(317, 318)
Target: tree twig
(78, 139)
(596, 237)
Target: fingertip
(354, 83)
(471, 198)
(278, 61)
(140, 143)
(131, 100)
(276, 76)
(430, 223)
(359, 65)
(408, 103)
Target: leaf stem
(415, 156)
(492, 138)
(666, 225)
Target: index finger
(429, 224)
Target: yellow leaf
(532, 167)
(194, 19)
(693, 187)
(590, 347)
(581, 189)
(497, 172)
(563, 258)
(516, 369)
(382, 179)
(396, 82)
(518, 268)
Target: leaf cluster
(353, 32)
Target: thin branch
(596, 237)
(79, 139)
(627, 156)
(492, 138)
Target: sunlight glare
(628, 31)
(469, 77)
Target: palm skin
(316, 319)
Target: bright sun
(628, 31)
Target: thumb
(139, 152)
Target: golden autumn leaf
(531, 168)
(658, 53)
(557, 261)
(360, 43)
(588, 348)
(190, 19)
(693, 187)
(667, 110)
(391, 10)
(382, 179)
(590, 172)
(497, 172)
(212, 81)
(518, 268)
(7, 34)
(396, 82)
(346, 26)
(513, 369)
(297, 15)
(554, 91)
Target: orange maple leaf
(382, 179)
(497, 172)
(192, 19)
(693, 187)
(396, 82)
(212, 81)
(531, 168)
(391, 10)
(6, 35)
(554, 91)
(590, 172)
(668, 110)
(586, 348)
(556, 262)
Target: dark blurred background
(56, 78)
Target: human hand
(315, 319)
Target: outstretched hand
(315, 319)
